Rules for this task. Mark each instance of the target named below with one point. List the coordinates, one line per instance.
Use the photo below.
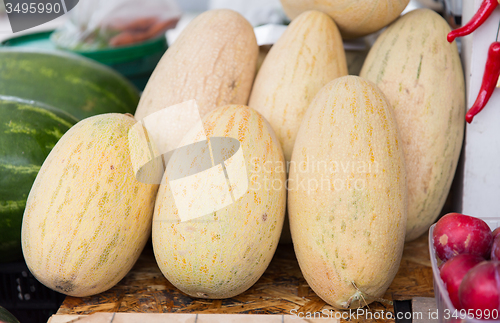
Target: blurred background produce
(94, 24)
(126, 35)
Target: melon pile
(358, 164)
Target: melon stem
(360, 295)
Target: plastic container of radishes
(446, 311)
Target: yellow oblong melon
(223, 253)
(422, 76)
(307, 56)
(347, 197)
(355, 18)
(213, 62)
(87, 218)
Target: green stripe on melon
(72, 83)
(6, 316)
(28, 131)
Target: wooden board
(182, 318)
(281, 290)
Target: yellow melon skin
(422, 76)
(307, 56)
(355, 18)
(224, 253)
(213, 61)
(347, 196)
(87, 219)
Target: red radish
(453, 271)
(495, 232)
(457, 233)
(495, 249)
(480, 290)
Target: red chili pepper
(490, 78)
(477, 20)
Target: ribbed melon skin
(307, 56)
(422, 76)
(71, 83)
(213, 61)
(28, 131)
(347, 196)
(355, 18)
(222, 254)
(87, 218)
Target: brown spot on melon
(65, 286)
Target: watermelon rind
(69, 82)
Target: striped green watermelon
(28, 131)
(6, 316)
(72, 83)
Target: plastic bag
(98, 24)
(257, 12)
